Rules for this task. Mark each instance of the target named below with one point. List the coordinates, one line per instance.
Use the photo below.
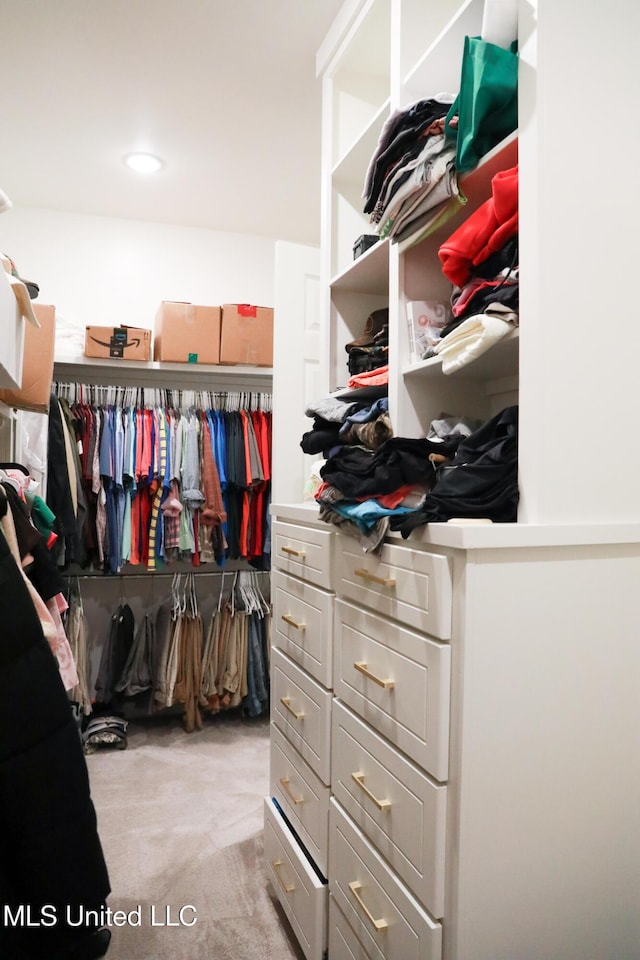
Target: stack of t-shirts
(411, 180)
(481, 259)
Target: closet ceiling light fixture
(143, 162)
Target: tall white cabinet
(480, 785)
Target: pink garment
(373, 378)
(61, 648)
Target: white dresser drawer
(398, 681)
(302, 796)
(400, 809)
(304, 552)
(343, 942)
(301, 709)
(301, 892)
(386, 918)
(411, 586)
(303, 620)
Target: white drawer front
(302, 796)
(398, 681)
(409, 585)
(303, 620)
(386, 918)
(303, 551)
(343, 942)
(400, 809)
(302, 894)
(301, 709)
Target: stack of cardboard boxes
(236, 333)
(188, 333)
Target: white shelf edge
(195, 376)
(476, 370)
(344, 159)
(345, 279)
(495, 536)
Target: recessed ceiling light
(144, 162)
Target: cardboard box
(247, 334)
(117, 343)
(186, 333)
(37, 363)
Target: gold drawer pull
(380, 804)
(286, 703)
(372, 578)
(362, 668)
(287, 887)
(284, 781)
(293, 623)
(355, 888)
(293, 552)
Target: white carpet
(180, 819)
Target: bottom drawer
(387, 920)
(300, 891)
(343, 943)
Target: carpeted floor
(180, 819)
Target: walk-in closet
(319, 615)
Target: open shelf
(368, 274)
(498, 362)
(154, 373)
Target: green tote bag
(487, 105)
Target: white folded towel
(470, 340)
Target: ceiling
(225, 92)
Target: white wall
(106, 271)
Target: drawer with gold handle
(399, 808)
(356, 887)
(285, 783)
(398, 680)
(382, 911)
(293, 623)
(302, 796)
(363, 668)
(304, 552)
(286, 703)
(380, 804)
(301, 892)
(409, 585)
(302, 622)
(301, 709)
(287, 887)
